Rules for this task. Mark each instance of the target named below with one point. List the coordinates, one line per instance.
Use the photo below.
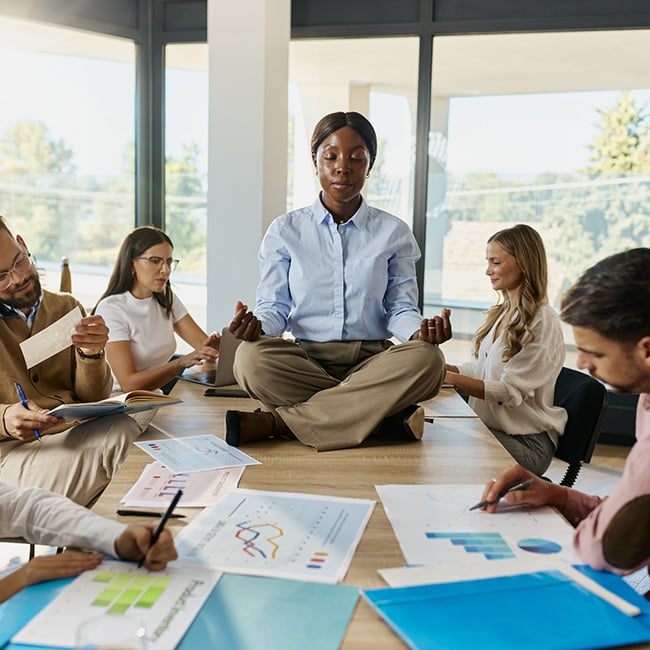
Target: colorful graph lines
(255, 537)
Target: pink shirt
(595, 514)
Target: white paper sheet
(447, 404)
(165, 602)
(51, 340)
(157, 486)
(277, 534)
(195, 453)
(434, 525)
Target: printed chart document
(157, 486)
(132, 402)
(279, 534)
(51, 340)
(165, 602)
(195, 453)
(434, 525)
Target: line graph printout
(434, 525)
(277, 534)
(195, 453)
(165, 602)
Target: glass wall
(376, 77)
(545, 129)
(67, 147)
(186, 168)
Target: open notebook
(131, 402)
(218, 375)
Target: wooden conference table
(456, 448)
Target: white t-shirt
(519, 393)
(144, 324)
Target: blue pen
(23, 401)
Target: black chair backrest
(585, 400)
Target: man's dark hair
(613, 297)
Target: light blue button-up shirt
(8, 310)
(323, 282)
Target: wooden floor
(453, 450)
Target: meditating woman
(143, 314)
(518, 352)
(339, 276)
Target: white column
(248, 43)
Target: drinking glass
(107, 632)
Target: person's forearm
(12, 584)
(468, 385)
(93, 379)
(152, 378)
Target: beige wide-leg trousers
(334, 395)
(78, 462)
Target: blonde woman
(518, 352)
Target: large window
(545, 129)
(186, 167)
(66, 147)
(376, 77)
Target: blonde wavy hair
(526, 246)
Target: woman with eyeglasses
(143, 314)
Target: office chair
(585, 401)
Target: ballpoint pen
(162, 522)
(515, 488)
(146, 513)
(23, 400)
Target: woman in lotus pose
(339, 276)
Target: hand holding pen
(514, 488)
(518, 486)
(163, 520)
(23, 400)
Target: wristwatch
(83, 355)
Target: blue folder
(537, 611)
(242, 612)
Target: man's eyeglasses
(158, 261)
(21, 266)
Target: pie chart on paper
(537, 545)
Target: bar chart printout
(165, 602)
(434, 525)
(491, 546)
